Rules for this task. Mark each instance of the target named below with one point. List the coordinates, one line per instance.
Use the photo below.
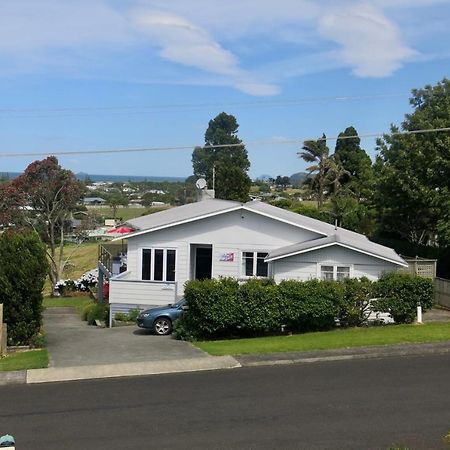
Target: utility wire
(136, 109)
(190, 147)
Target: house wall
(307, 265)
(234, 232)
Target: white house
(218, 238)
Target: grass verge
(327, 340)
(58, 302)
(33, 359)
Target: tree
(355, 161)
(12, 202)
(282, 181)
(227, 165)
(22, 274)
(53, 193)
(413, 171)
(317, 152)
(117, 199)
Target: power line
(136, 109)
(190, 147)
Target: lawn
(325, 340)
(57, 302)
(33, 359)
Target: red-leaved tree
(53, 194)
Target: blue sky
(108, 74)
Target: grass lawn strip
(32, 359)
(59, 302)
(328, 340)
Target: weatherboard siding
(142, 293)
(307, 265)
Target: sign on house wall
(227, 257)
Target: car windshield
(178, 304)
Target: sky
(118, 74)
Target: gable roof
(331, 235)
(181, 214)
(343, 240)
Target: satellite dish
(201, 183)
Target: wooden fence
(420, 266)
(442, 292)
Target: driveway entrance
(71, 342)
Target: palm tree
(317, 152)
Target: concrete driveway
(71, 342)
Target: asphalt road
(358, 404)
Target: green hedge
(23, 269)
(225, 308)
(399, 294)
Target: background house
(214, 238)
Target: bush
(213, 307)
(356, 303)
(258, 307)
(225, 308)
(23, 270)
(95, 311)
(399, 294)
(130, 317)
(310, 305)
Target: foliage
(355, 161)
(116, 200)
(131, 316)
(412, 191)
(53, 194)
(318, 153)
(12, 202)
(230, 164)
(356, 302)
(399, 294)
(309, 305)
(95, 311)
(83, 284)
(22, 274)
(213, 307)
(226, 308)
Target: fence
(420, 267)
(442, 292)
(2, 333)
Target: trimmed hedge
(224, 307)
(23, 269)
(399, 294)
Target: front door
(203, 262)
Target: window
(158, 264)
(254, 264)
(337, 273)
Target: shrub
(95, 311)
(121, 317)
(310, 305)
(23, 270)
(213, 307)
(400, 293)
(356, 303)
(133, 314)
(258, 307)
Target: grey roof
(344, 238)
(205, 208)
(188, 212)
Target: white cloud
(183, 42)
(370, 43)
(283, 39)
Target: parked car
(160, 320)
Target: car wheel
(162, 326)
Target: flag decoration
(228, 257)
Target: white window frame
(255, 262)
(152, 264)
(335, 267)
